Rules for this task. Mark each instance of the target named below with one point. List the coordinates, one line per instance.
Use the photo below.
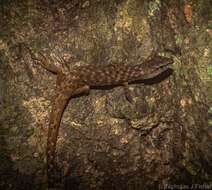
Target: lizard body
(117, 74)
(80, 80)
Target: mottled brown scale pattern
(80, 80)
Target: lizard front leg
(127, 92)
(58, 106)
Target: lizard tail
(59, 103)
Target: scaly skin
(58, 106)
(80, 80)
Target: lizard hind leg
(41, 60)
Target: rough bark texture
(160, 140)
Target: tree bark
(160, 140)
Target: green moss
(179, 40)
(189, 167)
(209, 70)
(153, 6)
(210, 110)
(178, 68)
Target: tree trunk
(160, 140)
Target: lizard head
(156, 66)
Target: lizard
(83, 78)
